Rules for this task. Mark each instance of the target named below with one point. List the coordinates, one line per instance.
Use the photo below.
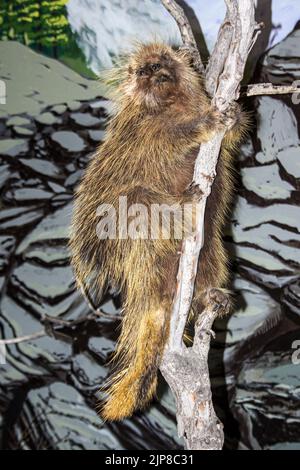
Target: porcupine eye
(141, 73)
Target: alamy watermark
(142, 222)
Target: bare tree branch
(218, 56)
(21, 339)
(186, 32)
(96, 313)
(186, 369)
(270, 89)
(244, 29)
(189, 368)
(196, 28)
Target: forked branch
(186, 369)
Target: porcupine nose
(162, 77)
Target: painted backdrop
(52, 117)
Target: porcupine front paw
(193, 192)
(220, 300)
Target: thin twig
(186, 32)
(60, 322)
(20, 339)
(95, 310)
(217, 59)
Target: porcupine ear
(184, 52)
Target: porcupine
(163, 115)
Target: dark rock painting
(49, 385)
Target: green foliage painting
(42, 25)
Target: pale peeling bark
(270, 89)
(186, 369)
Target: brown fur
(152, 141)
